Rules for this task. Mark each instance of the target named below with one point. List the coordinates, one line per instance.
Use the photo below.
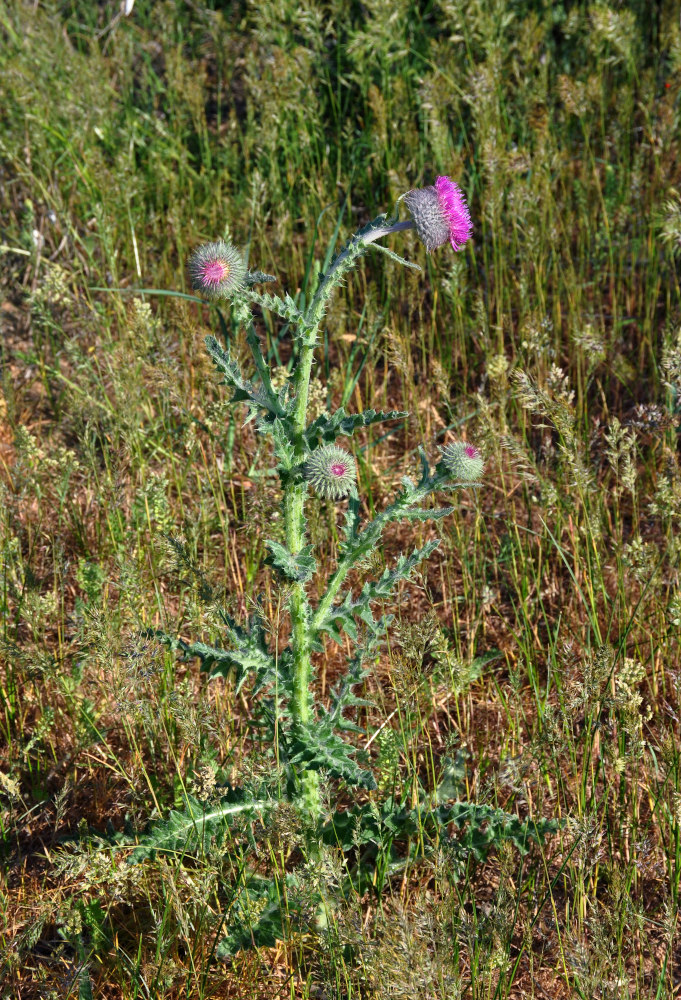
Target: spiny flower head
(217, 270)
(331, 472)
(440, 213)
(463, 461)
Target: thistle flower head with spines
(217, 270)
(331, 472)
(440, 213)
(463, 462)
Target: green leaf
(489, 657)
(344, 614)
(243, 389)
(283, 445)
(84, 984)
(261, 915)
(453, 781)
(481, 827)
(316, 746)
(384, 586)
(249, 653)
(395, 256)
(195, 828)
(284, 307)
(369, 824)
(298, 567)
(485, 827)
(419, 514)
(425, 480)
(258, 277)
(351, 526)
(327, 428)
(343, 696)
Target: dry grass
(554, 344)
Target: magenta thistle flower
(440, 213)
(217, 270)
(331, 472)
(463, 461)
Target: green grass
(552, 341)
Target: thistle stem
(294, 514)
(295, 493)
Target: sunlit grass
(552, 342)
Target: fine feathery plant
(307, 734)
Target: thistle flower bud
(217, 270)
(440, 213)
(463, 462)
(331, 472)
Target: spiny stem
(294, 514)
(295, 493)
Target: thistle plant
(308, 457)
(308, 734)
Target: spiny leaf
(486, 827)
(327, 428)
(489, 657)
(196, 827)
(343, 614)
(284, 307)
(351, 527)
(453, 781)
(283, 445)
(84, 984)
(267, 898)
(250, 653)
(316, 746)
(425, 467)
(343, 697)
(383, 587)
(258, 277)
(298, 567)
(395, 256)
(243, 389)
(208, 655)
(419, 514)
(483, 827)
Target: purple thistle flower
(463, 462)
(331, 472)
(440, 213)
(217, 270)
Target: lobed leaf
(326, 428)
(283, 445)
(260, 916)
(482, 827)
(284, 307)
(343, 615)
(351, 527)
(395, 256)
(243, 389)
(259, 277)
(198, 826)
(343, 696)
(419, 514)
(249, 655)
(316, 746)
(298, 567)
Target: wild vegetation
(501, 813)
